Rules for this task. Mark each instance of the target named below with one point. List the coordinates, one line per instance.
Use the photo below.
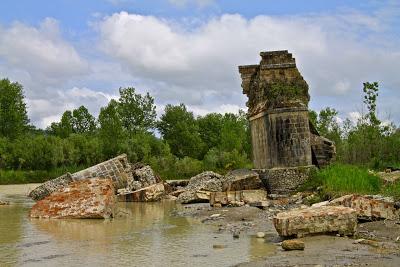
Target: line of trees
(187, 144)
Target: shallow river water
(147, 235)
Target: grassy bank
(340, 179)
(36, 176)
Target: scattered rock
(218, 246)
(300, 222)
(148, 194)
(236, 233)
(260, 234)
(389, 176)
(3, 203)
(293, 244)
(90, 198)
(215, 215)
(370, 207)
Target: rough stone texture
(241, 179)
(207, 181)
(148, 194)
(234, 197)
(278, 114)
(118, 169)
(391, 176)
(283, 180)
(300, 222)
(51, 186)
(191, 196)
(293, 244)
(143, 176)
(90, 198)
(370, 207)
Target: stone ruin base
(285, 180)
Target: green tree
(370, 97)
(82, 121)
(180, 130)
(210, 127)
(13, 116)
(63, 128)
(137, 112)
(111, 131)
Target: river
(148, 234)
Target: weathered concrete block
(194, 197)
(300, 222)
(51, 186)
(148, 194)
(233, 197)
(370, 207)
(241, 179)
(91, 198)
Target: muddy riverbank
(169, 234)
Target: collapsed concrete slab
(118, 169)
(51, 186)
(151, 193)
(236, 197)
(316, 220)
(369, 206)
(90, 198)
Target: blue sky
(72, 53)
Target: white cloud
(40, 52)
(44, 111)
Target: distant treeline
(187, 146)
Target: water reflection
(147, 235)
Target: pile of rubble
(237, 188)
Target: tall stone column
(278, 114)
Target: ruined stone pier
(285, 145)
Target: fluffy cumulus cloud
(335, 54)
(40, 52)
